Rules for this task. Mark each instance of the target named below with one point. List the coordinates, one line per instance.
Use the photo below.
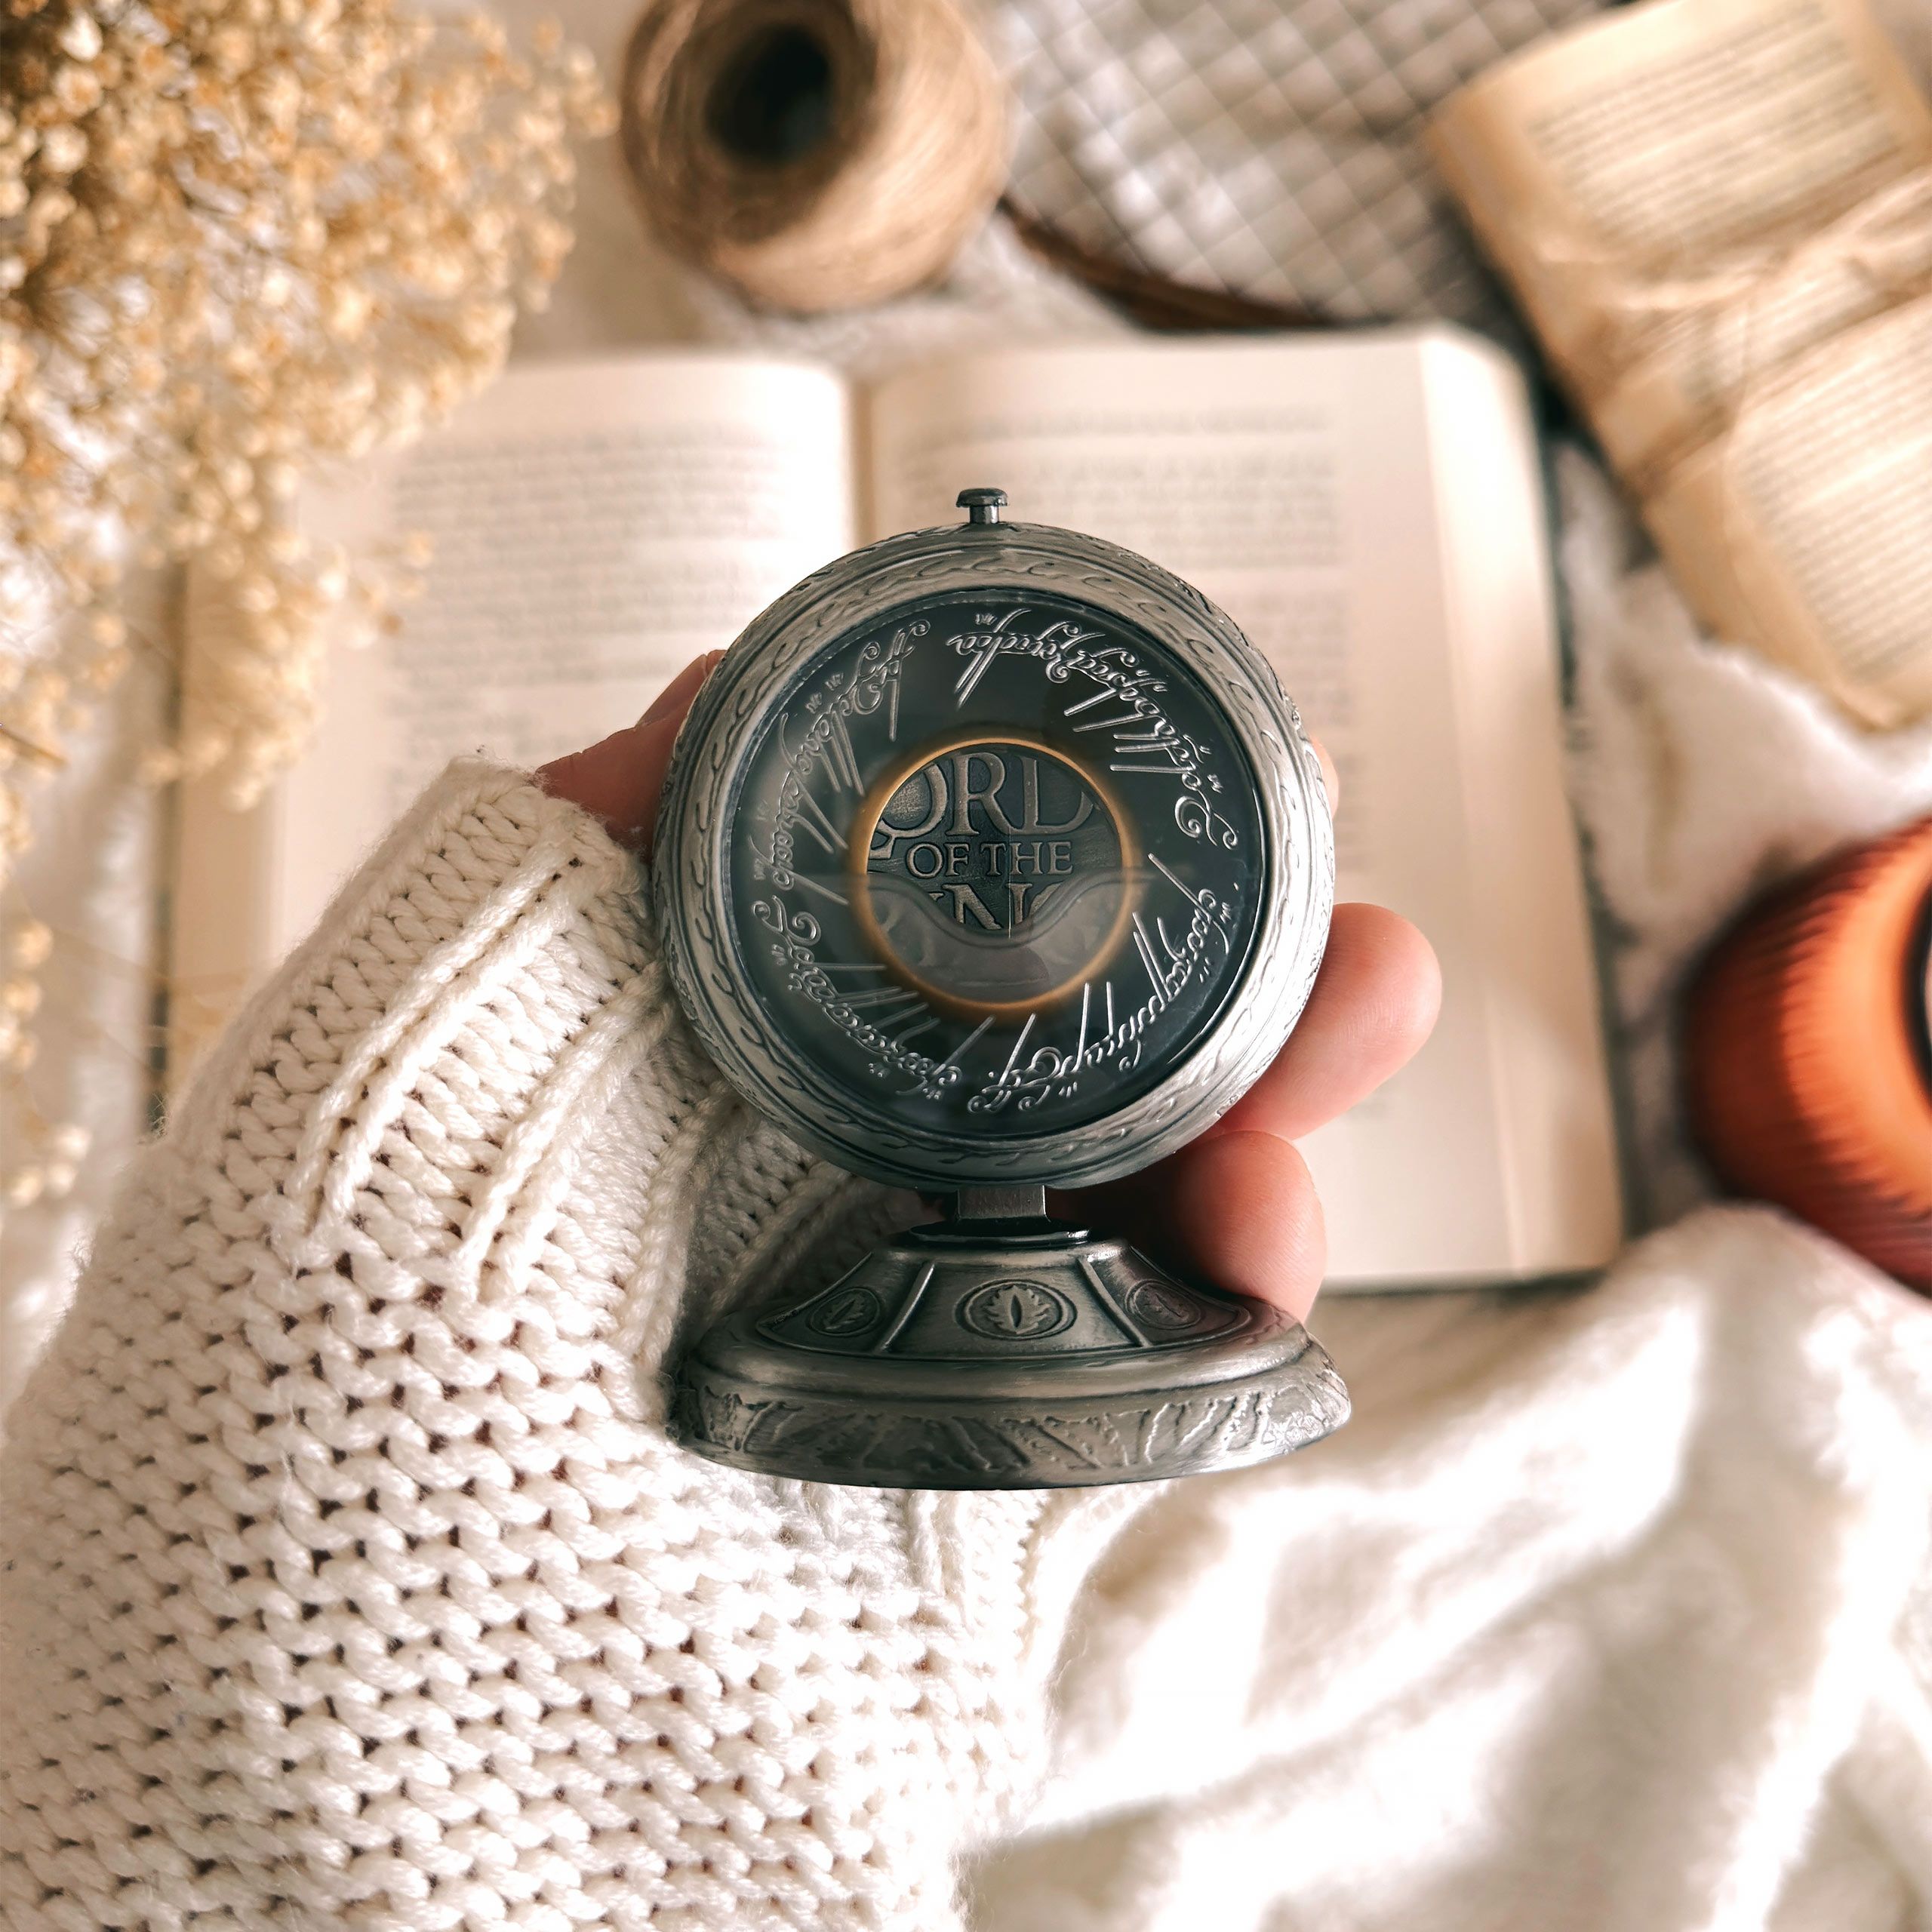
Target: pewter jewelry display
(992, 858)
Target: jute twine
(818, 154)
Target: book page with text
(1294, 484)
(594, 527)
(1609, 169)
(1807, 528)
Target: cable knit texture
(350, 1577)
(350, 1581)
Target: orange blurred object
(1808, 1065)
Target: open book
(1719, 215)
(1369, 509)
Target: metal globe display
(993, 858)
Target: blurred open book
(1368, 508)
(1718, 215)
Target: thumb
(619, 779)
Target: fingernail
(681, 687)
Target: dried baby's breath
(236, 236)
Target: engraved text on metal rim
(994, 872)
(993, 855)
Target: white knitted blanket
(347, 1579)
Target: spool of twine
(1808, 1058)
(817, 154)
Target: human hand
(1237, 1204)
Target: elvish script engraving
(1142, 732)
(1050, 1071)
(798, 934)
(995, 879)
(826, 745)
(718, 791)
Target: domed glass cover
(995, 865)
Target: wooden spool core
(818, 154)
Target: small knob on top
(982, 506)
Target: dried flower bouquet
(236, 237)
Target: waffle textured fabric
(1268, 147)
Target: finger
(1237, 1206)
(619, 779)
(1331, 779)
(1240, 1208)
(1374, 1001)
(677, 697)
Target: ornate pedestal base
(1003, 1353)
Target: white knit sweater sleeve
(349, 1579)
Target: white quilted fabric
(1270, 147)
(348, 1579)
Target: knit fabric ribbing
(349, 1578)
